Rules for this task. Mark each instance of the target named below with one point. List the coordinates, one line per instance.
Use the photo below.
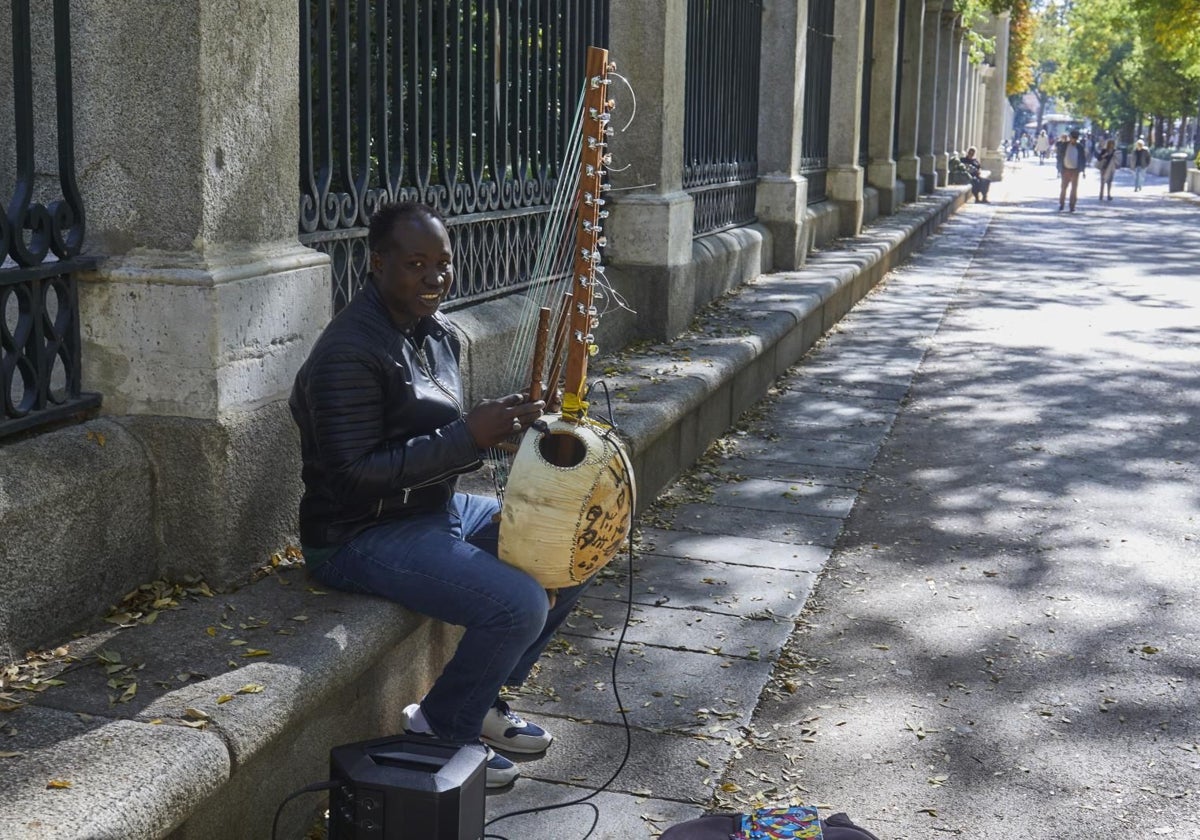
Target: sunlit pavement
(983, 489)
(1028, 181)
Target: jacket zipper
(428, 371)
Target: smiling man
(384, 436)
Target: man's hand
(492, 421)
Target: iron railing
(720, 136)
(466, 105)
(899, 77)
(818, 80)
(868, 64)
(41, 232)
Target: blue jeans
(444, 565)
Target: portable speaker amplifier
(407, 788)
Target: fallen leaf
(57, 784)
(256, 652)
(195, 714)
(251, 688)
(224, 698)
(10, 754)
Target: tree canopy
(1115, 60)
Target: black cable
(313, 788)
(624, 720)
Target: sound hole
(562, 450)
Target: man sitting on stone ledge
(980, 182)
(384, 436)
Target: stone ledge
(341, 674)
(340, 671)
(672, 400)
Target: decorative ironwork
(39, 249)
(864, 138)
(899, 77)
(466, 105)
(720, 137)
(818, 83)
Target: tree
(1114, 60)
(1045, 51)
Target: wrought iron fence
(466, 105)
(818, 79)
(41, 232)
(899, 77)
(720, 137)
(864, 114)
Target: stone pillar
(881, 166)
(782, 191)
(931, 29)
(993, 108)
(972, 93)
(964, 85)
(980, 95)
(204, 304)
(954, 136)
(946, 60)
(845, 178)
(908, 164)
(650, 229)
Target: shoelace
(503, 708)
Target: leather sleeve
(359, 458)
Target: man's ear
(376, 262)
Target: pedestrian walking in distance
(1042, 147)
(1106, 162)
(1071, 163)
(1141, 161)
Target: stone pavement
(939, 578)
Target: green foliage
(1114, 60)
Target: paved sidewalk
(990, 468)
(725, 564)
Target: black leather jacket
(382, 428)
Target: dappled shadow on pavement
(1005, 641)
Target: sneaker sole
(506, 747)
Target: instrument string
(550, 276)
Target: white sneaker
(506, 730)
(500, 772)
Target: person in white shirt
(1071, 163)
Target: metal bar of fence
(720, 155)
(463, 105)
(40, 364)
(864, 144)
(818, 76)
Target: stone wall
(203, 303)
